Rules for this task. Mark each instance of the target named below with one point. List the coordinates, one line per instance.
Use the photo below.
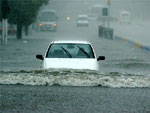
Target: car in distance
(11, 29)
(125, 17)
(70, 55)
(82, 20)
(48, 20)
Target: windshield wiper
(84, 52)
(67, 52)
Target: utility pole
(5, 11)
(4, 31)
(108, 3)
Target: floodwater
(120, 86)
(74, 78)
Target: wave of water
(133, 63)
(70, 77)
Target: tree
(0, 10)
(4, 9)
(23, 13)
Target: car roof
(72, 41)
(82, 15)
(125, 12)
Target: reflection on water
(71, 77)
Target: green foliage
(0, 9)
(24, 12)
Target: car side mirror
(39, 57)
(101, 58)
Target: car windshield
(48, 16)
(70, 51)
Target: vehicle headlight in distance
(54, 25)
(41, 24)
(68, 17)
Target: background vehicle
(11, 29)
(82, 20)
(70, 54)
(125, 17)
(48, 20)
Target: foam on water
(70, 77)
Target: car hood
(72, 63)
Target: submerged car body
(71, 55)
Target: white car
(82, 20)
(70, 55)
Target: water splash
(71, 77)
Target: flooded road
(57, 99)
(64, 77)
(120, 57)
(120, 86)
